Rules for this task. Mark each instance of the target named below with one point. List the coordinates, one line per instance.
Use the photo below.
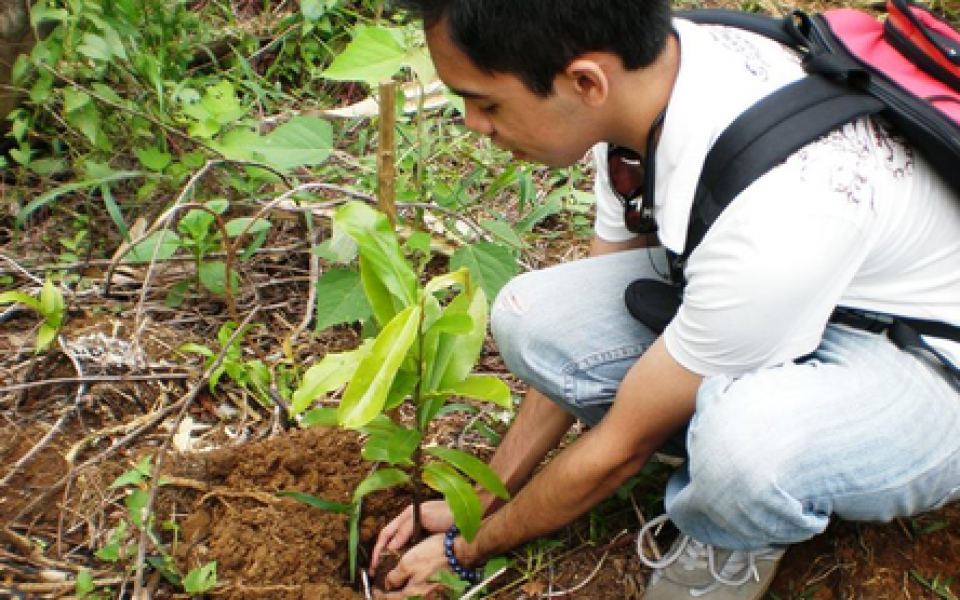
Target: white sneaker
(692, 569)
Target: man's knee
(516, 325)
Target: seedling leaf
(367, 391)
(472, 467)
(460, 496)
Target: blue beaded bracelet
(472, 576)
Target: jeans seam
(592, 361)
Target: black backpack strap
(764, 25)
(766, 135)
(905, 332)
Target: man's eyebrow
(467, 94)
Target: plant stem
(417, 501)
(418, 453)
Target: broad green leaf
(110, 552)
(246, 225)
(322, 416)
(340, 299)
(313, 10)
(11, 297)
(380, 479)
(238, 144)
(483, 387)
(107, 92)
(456, 323)
(74, 100)
(220, 101)
(213, 276)
(84, 584)
(197, 349)
(389, 281)
(162, 243)
(403, 386)
(153, 158)
(457, 353)
(301, 141)
(473, 468)
(136, 501)
(320, 503)
(45, 336)
(331, 373)
(460, 277)
(550, 206)
(201, 579)
(95, 47)
(367, 391)
(51, 303)
(503, 231)
(199, 223)
(491, 265)
(460, 496)
(372, 56)
(389, 442)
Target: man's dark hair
(536, 39)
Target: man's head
(537, 39)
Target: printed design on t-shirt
(741, 43)
(846, 160)
(892, 149)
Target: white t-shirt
(855, 218)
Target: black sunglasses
(629, 179)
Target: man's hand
(412, 575)
(435, 518)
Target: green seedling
(250, 374)
(121, 545)
(200, 232)
(49, 303)
(429, 340)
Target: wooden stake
(386, 154)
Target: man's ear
(589, 79)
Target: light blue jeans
(858, 429)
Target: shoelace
(689, 551)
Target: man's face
(549, 130)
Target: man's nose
(476, 120)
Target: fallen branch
(91, 379)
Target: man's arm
(656, 398)
(537, 429)
(600, 246)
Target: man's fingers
(392, 536)
(396, 578)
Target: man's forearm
(578, 478)
(655, 399)
(538, 428)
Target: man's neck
(641, 96)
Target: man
(787, 419)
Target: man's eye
(489, 108)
